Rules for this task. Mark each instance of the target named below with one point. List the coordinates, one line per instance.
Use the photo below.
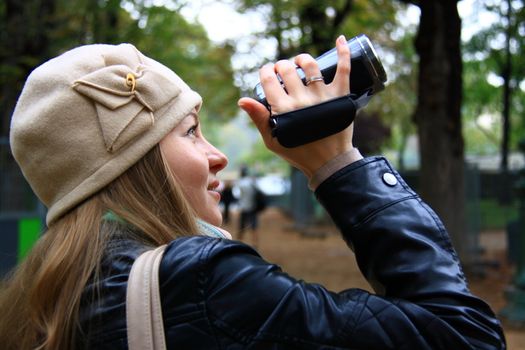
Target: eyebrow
(194, 115)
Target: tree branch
(412, 2)
(341, 15)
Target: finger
(288, 73)
(342, 74)
(271, 85)
(310, 67)
(258, 113)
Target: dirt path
(329, 262)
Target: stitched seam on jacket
(440, 227)
(355, 320)
(395, 304)
(374, 316)
(435, 318)
(349, 167)
(233, 332)
(447, 246)
(262, 336)
(420, 335)
(381, 208)
(445, 239)
(203, 272)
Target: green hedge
(494, 216)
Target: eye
(192, 131)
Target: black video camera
(367, 77)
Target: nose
(216, 159)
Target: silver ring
(314, 79)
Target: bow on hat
(125, 100)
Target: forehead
(191, 118)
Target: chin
(214, 218)
(217, 222)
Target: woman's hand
(309, 157)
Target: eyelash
(192, 131)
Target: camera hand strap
(315, 122)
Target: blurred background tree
(494, 68)
(438, 115)
(34, 30)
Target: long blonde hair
(40, 301)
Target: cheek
(190, 167)
(191, 172)
(193, 180)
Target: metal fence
(490, 200)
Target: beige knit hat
(85, 117)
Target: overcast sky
(222, 22)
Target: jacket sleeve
(421, 301)
(405, 253)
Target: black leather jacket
(220, 294)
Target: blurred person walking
(248, 218)
(227, 199)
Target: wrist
(333, 165)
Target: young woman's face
(195, 164)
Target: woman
(110, 141)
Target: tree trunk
(25, 40)
(506, 74)
(505, 137)
(27, 24)
(438, 117)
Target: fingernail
(342, 39)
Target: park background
(451, 119)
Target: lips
(212, 186)
(213, 189)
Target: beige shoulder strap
(143, 308)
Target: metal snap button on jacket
(389, 179)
